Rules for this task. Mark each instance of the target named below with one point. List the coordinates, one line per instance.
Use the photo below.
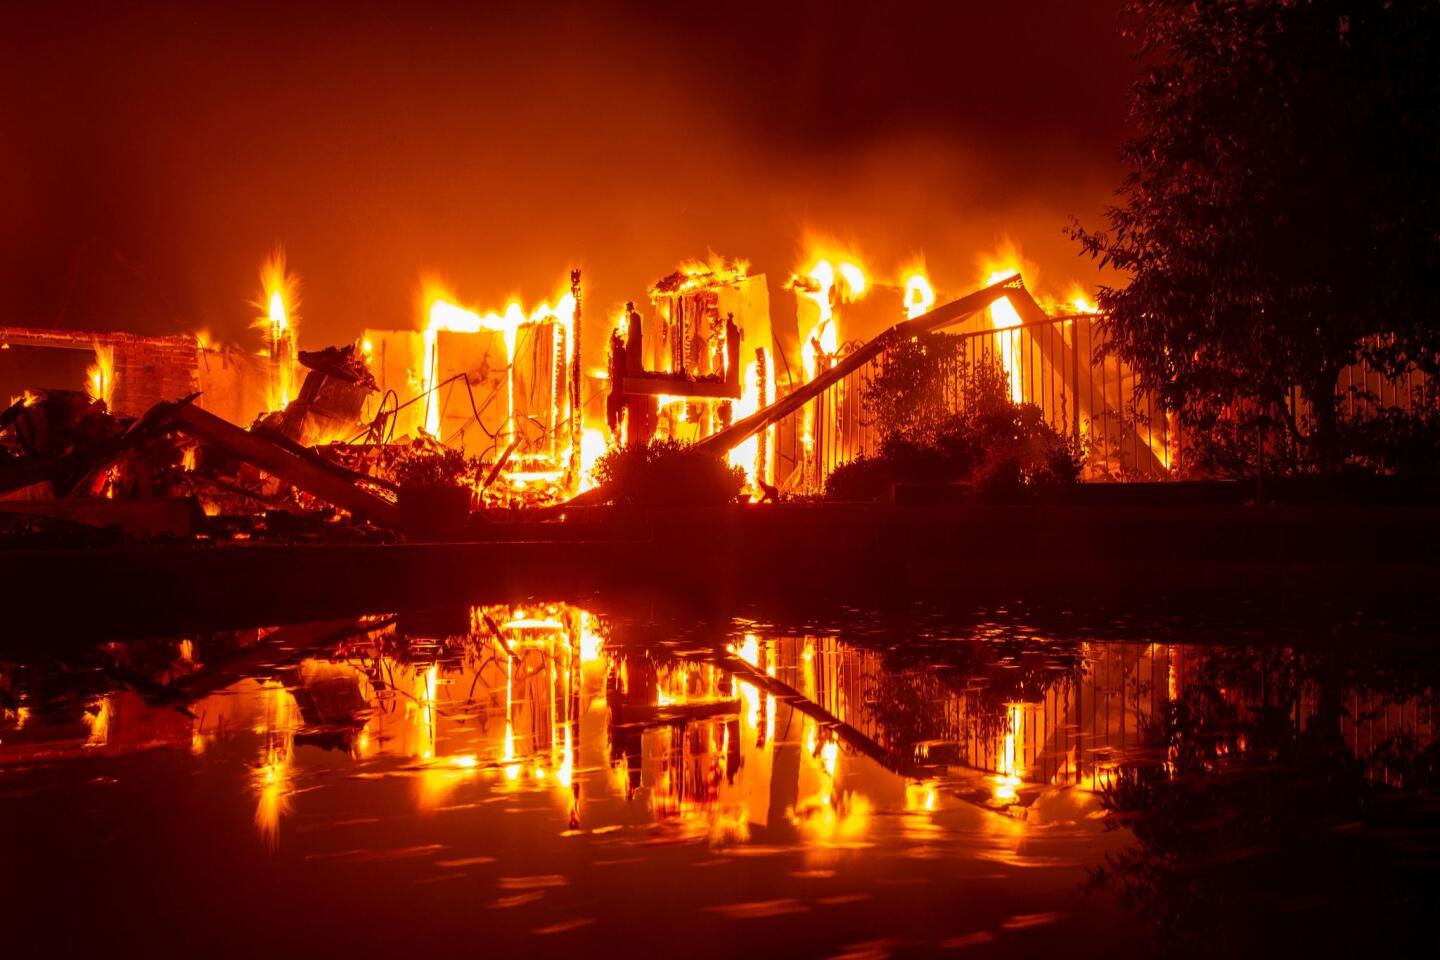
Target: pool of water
(552, 779)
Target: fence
(1058, 365)
(1063, 367)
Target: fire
(699, 274)
(1080, 302)
(1004, 317)
(746, 455)
(592, 448)
(827, 284)
(919, 296)
(279, 299)
(443, 314)
(1004, 263)
(100, 376)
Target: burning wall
(132, 373)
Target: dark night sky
(152, 154)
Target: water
(555, 780)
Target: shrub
(667, 473)
(999, 447)
(430, 465)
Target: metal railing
(1064, 367)
(1060, 366)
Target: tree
(1280, 219)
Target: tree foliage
(1280, 218)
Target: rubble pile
(72, 470)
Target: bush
(667, 473)
(431, 465)
(1000, 448)
(1394, 440)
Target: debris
(279, 462)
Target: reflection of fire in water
(1009, 769)
(99, 723)
(272, 774)
(771, 737)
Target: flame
(100, 375)
(699, 274)
(920, 796)
(1006, 262)
(854, 278)
(443, 314)
(1080, 301)
(1004, 317)
(919, 296)
(592, 447)
(746, 455)
(279, 299)
(827, 285)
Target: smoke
(161, 152)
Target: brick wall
(147, 369)
(151, 369)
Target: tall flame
(827, 284)
(919, 296)
(1004, 317)
(279, 299)
(100, 375)
(745, 454)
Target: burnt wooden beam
(939, 318)
(279, 462)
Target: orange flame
(100, 375)
(919, 296)
(827, 284)
(443, 314)
(1005, 263)
(279, 299)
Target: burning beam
(277, 461)
(943, 316)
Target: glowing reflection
(272, 774)
(755, 738)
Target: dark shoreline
(1167, 557)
